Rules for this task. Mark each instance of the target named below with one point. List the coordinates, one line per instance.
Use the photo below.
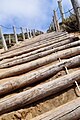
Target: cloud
(29, 13)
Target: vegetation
(70, 24)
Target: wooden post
(76, 6)
(9, 39)
(56, 21)
(15, 35)
(33, 32)
(22, 33)
(3, 40)
(27, 33)
(30, 33)
(53, 23)
(61, 10)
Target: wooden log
(38, 75)
(27, 49)
(41, 38)
(53, 47)
(38, 92)
(68, 111)
(50, 58)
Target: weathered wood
(9, 39)
(15, 35)
(76, 6)
(27, 49)
(56, 21)
(37, 75)
(68, 111)
(49, 58)
(39, 40)
(61, 9)
(27, 33)
(38, 92)
(52, 46)
(3, 40)
(22, 33)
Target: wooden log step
(45, 60)
(52, 48)
(38, 75)
(39, 92)
(27, 49)
(41, 38)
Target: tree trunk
(38, 92)
(30, 48)
(38, 75)
(43, 61)
(68, 111)
(53, 47)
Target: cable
(68, 11)
(5, 27)
(59, 18)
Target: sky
(31, 14)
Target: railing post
(61, 10)
(76, 6)
(9, 39)
(15, 35)
(57, 27)
(3, 40)
(34, 33)
(27, 33)
(22, 33)
(30, 33)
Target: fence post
(30, 33)
(33, 32)
(76, 6)
(22, 33)
(9, 39)
(15, 35)
(57, 27)
(61, 10)
(3, 40)
(27, 33)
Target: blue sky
(29, 13)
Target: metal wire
(5, 27)
(68, 11)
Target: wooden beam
(39, 92)
(30, 48)
(35, 76)
(39, 57)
